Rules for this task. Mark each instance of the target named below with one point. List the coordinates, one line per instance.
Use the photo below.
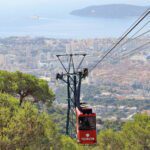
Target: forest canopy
(26, 127)
(25, 85)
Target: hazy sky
(38, 7)
(5, 4)
(14, 2)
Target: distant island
(110, 11)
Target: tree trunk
(21, 100)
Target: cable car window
(87, 123)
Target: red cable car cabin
(86, 126)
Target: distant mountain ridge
(111, 11)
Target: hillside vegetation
(26, 127)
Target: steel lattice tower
(72, 77)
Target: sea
(64, 27)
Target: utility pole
(73, 78)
